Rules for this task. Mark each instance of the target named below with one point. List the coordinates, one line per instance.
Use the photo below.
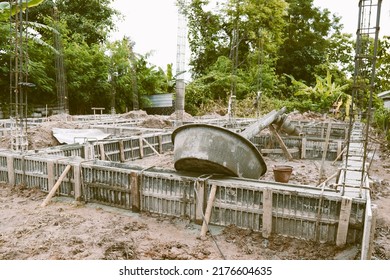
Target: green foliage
(383, 65)
(306, 44)
(6, 9)
(321, 97)
(382, 118)
(92, 20)
(211, 32)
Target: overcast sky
(152, 24)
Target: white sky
(152, 24)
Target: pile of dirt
(137, 114)
(156, 122)
(186, 116)
(41, 136)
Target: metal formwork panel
(108, 195)
(128, 149)
(166, 195)
(67, 185)
(3, 169)
(166, 140)
(107, 185)
(236, 205)
(135, 149)
(153, 141)
(112, 151)
(305, 217)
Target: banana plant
(8, 9)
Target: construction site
(139, 186)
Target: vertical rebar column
(18, 76)
(180, 67)
(62, 91)
(364, 74)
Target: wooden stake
(200, 199)
(339, 155)
(325, 150)
(121, 151)
(55, 187)
(267, 213)
(281, 143)
(150, 146)
(135, 193)
(345, 213)
(207, 215)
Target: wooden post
(339, 146)
(209, 207)
(56, 186)
(135, 192)
(141, 147)
(199, 207)
(325, 151)
(303, 151)
(50, 173)
(345, 212)
(372, 234)
(11, 171)
(267, 213)
(121, 151)
(281, 143)
(160, 144)
(102, 153)
(77, 182)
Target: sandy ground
(66, 229)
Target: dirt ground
(71, 230)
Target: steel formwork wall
(168, 195)
(297, 211)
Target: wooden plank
(325, 151)
(77, 182)
(160, 144)
(374, 209)
(102, 153)
(339, 155)
(281, 143)
(199, 207)
(303, 151)
(141, 147)
(209, 207)
(267, 213)
(121, 151)
(135, 192)
(345, 213)
(50, 173)
(150, 146)
(56, 186)
(11, 170)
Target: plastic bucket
(282, 173)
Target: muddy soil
(71, 230)
(68, 230)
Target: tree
(92, 20)
(212, 33)
(383, 65)
(306, 43)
